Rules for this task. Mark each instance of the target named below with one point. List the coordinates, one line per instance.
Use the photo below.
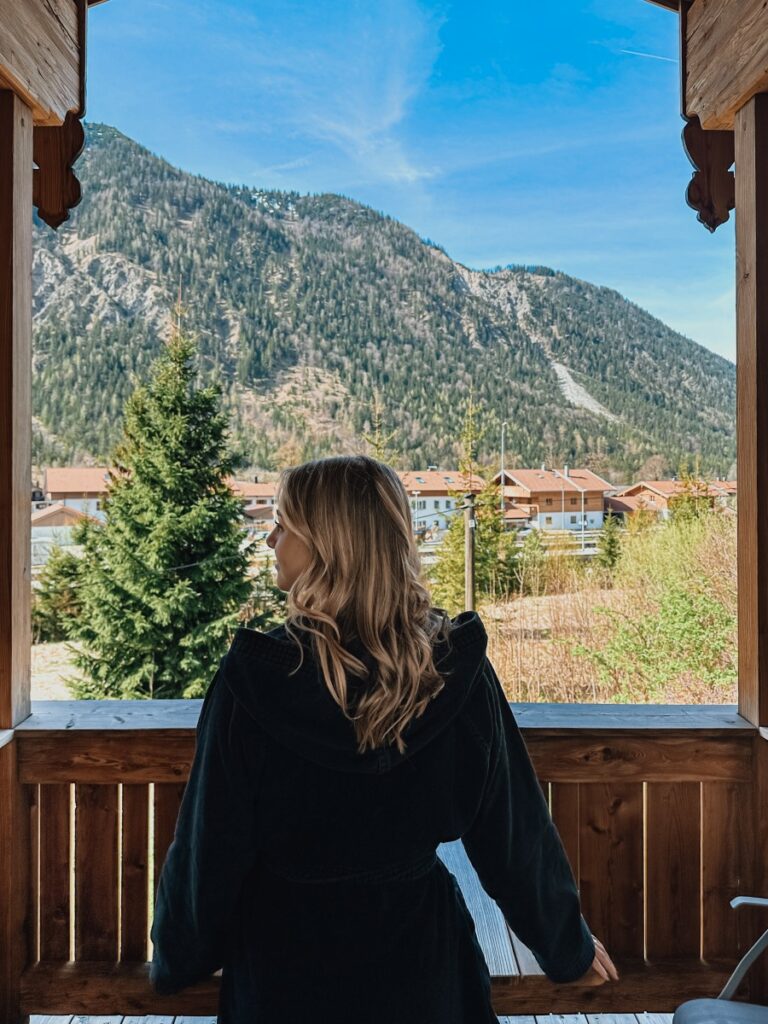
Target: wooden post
(751, 146)
(469, 552)
(15, 406)
(15, 455)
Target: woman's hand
(602, 969)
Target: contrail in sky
(653, 56)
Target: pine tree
(609, 543)
(56, 598)
(163, 578)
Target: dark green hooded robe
(308, 871)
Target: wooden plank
(96, 859)
(101, 757)
(33, 893)
(727, 852)
(726, 58)
(40, 56)
(15, 858)
(673, 870)
(54, 871)
(15, 406)
(611, 865)
(567, 819)
(490, 926)
(103, 988)
(166, 756)
(135, 873)
(166, 810)
(751, 137)
(67, 716)
(527, 964)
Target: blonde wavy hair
(364, 582)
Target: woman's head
(347, 556)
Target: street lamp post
(503, 428)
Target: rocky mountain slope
(307, 308)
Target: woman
(334, 754)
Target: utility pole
(503, 428)
(469, 552)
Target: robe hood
(298, 711)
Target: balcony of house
(654, 804)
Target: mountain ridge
(308, 307)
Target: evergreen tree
(163, 579)
(495, 556)
(56, 599)
(609, 543)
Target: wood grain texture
(96, 873)
(55, 803)
(727, 853)
(40, 55)
(135, 873)
(15, 406)
(125, 988)
(490, 926)
(15, 859)
(673, 870)
(167, 801)
(55, 189)
(726, 49)
(32, 794)
(566, 815)
(751, 137)
(611, 864)
(165, 755)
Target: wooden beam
(42, 56)
(15, 406)
(751, 135)
(726, 58)
(102, 988)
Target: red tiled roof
(76, 480)
(249, 489)
(537, 480)
(438, 481)
(671, 488)
(41, 514)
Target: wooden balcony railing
(654, 806)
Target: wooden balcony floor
(547, 1018)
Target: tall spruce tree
(163, 578)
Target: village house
(51, 527)
(659, 496)
(79, 487)
(434, 495)
(553, 499)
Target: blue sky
(509, 132)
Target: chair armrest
(730, 987)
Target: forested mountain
(308, 307)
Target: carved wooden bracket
(55, 189)
(712, 189)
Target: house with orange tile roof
(435, 494)
(253, 492)
(79, 487)
(660, 495)
(554, 499)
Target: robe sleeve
(519, 858)
(213, 849)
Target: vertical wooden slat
(135, 868)
(726, 865)
(566, 816)
(15, 856)
(167, 801)
(673, 869)
(54, 871)
(751, 139)
(33, 896)
(611, 864)
(96, 859)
